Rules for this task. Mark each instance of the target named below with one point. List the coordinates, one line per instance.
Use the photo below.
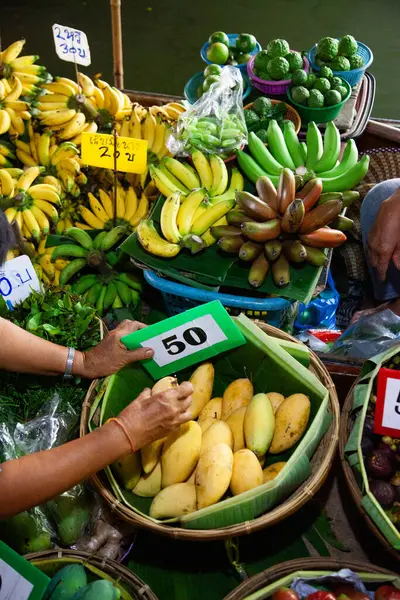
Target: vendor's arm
(26, 353)
(34, 479)
(383, 242)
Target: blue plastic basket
(179, 297)
(354, 76)
(232, 41)
(194, 83)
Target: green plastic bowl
(320, 115)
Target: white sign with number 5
(391, 410)
(185, 340)
(17, 280)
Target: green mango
(70, 513)
(72, 527)
(37, 544)
(66, 583)
(25, 532)
(98, 590)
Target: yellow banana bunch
(20, 71)
(47, 271)
(99, 214)
(13, 111)
(111, 100)
(33, 204)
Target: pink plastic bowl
(271, 87)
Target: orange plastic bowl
(291, 114)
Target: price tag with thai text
(186, 339)
(19, 579)
(98, 151)
(387, 408)
(71, 45)
(17, 280)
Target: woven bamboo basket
(320, 463)
(346, 425)
(277, 572)
(137, 589)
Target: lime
(209, 81)
(200, 91)
(299, 77)
(311, 79)
(243, 59)
(322, 85)
(342, 91)
(300, 94)
(218, 53)
(332, 97)
(245, 42)
(218, 36)
(316, 99)
(212, 70)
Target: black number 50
(194, 336)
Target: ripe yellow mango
(276, 400)
(235, 422)
(192, 478)
(150, 455)
(213, 474)
(246, 472)
(270, 472)
(206, 424)
(149, 485)
(291, 421)
(219, 432)
(237, 394)
(203, 382)
(180, 453)
(128, 469)
(212, 409)
(164, 384)
(259, 424)
(174, 501)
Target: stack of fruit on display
(261, 112)
(104, 289)
(72, 583)
(317, 156)
(336, 589)
(277, 62)
(338, 54)
(221, 52)
(189, 212)
(221, 451)
(319, 89)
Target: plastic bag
(215, 123)
(370, 335)
(65, 518)
(320, 312)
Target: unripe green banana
(68, 250)
(71, 269)
(80, 236)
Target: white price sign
(387, 407)
(12, 585)
(185, 340)
(71, 45)
(17, 280)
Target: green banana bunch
(111, 290)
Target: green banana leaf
(212, 267)
(270, 368)
(362, 393)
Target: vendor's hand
(383, 244)
(110, 355)
(151, 418)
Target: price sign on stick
(19, 579)
(17, 280)
(186, 339)
(387, 408)
(71, 45)
(98, 150)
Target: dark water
(162, 38)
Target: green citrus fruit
(212, 70)
(218, 36)
(245, 42)
(209, 81)
(243, 59)
(218, 53)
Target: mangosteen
(383, 491)
(367, 445)
(368, 425)
(387, 450)
(396, 482)
(379, 465)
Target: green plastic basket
(320, 115)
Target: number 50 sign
(186, 339)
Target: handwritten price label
(186, 339)
(17, 280)
(98, 151)
(71, 45)
(387, 408)
(19, 579)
